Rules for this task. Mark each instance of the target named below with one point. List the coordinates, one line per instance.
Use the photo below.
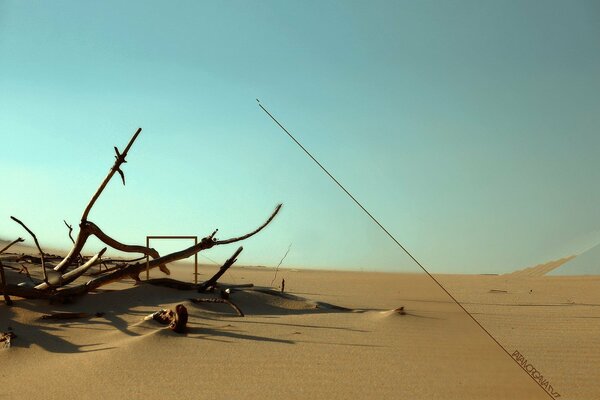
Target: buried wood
(220, 301)
(177, 320)
(59, 285)
(6, 337)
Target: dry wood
(212, 281)
(70, 231)
(130, 270)
(56, 289)
(222, 301)
(7, 299)
(6, 337)
(81, 238)
(37, 244)
(88, 228)
(179, 322)
(8, 246)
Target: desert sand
(300, 346)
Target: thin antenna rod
(386, 231)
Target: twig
(280, 261)
(70, 231)
(37, 244)
(17, 240)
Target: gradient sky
(469, 128)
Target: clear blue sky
(469, 128)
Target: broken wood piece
(6, 337)
(17, 240)
(215, 300)
(179, 322)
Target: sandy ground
(298, 349)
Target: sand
(298, 348)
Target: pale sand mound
(288, 347)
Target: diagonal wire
(390, 235)
(280, 261)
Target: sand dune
(302, 346)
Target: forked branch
(83, 236)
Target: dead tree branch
(17, 240)
(37, 244)
(246, 236)
(131, 270)
(212, 281)
(223, 301)
(70, 276)
(7, 299)
(83, 235)
(119, 159)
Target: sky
(468, 128)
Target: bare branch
(87, 228)
(246, 236)
(74, 274)
(133, 270)
(212, 281)
(223, 301)
(37, 244)
(119, 159)
(83, 236)
(17, 240)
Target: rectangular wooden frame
(148, 238)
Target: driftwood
(177, 320)
(38, 246)
(6, 337)
(212, 281)
(54, 285)
(217, 300)
(7, 299)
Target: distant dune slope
(541, 269)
